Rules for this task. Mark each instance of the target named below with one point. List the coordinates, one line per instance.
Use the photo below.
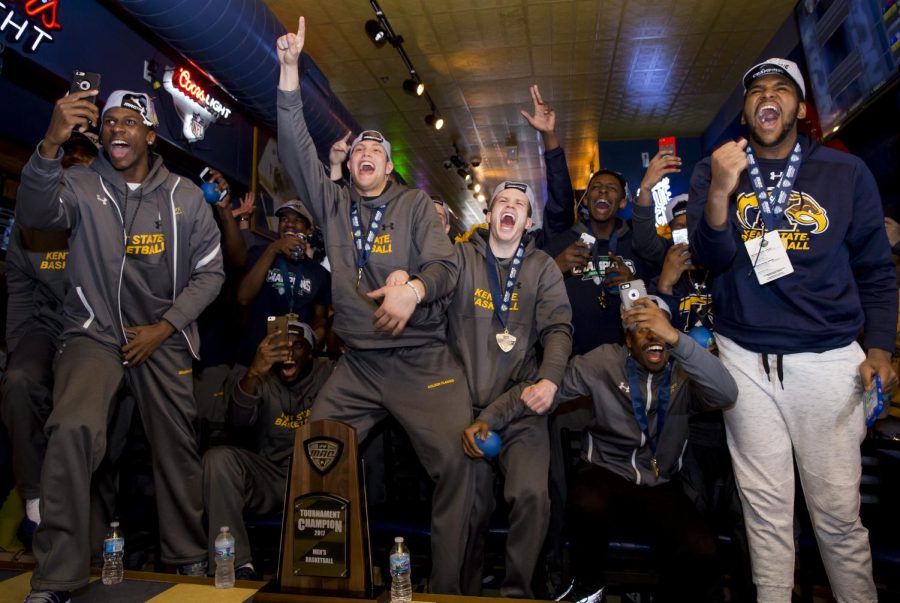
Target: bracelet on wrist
(416, 291)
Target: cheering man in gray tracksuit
(377, 234)
(144, 261)
(510, 324)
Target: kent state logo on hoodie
(804, 217)
(54, 260)
(146, 244)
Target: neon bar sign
(182, 80)
(16, 29)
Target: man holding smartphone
(144, 262)
(642, 394)
(795, 234)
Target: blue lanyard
(502, 304)
(291, 289)
(364, 247)
(639, 408)
(772, 207)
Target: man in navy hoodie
(794, 233)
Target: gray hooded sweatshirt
(540, 317)
(411, 238)
(89, 201)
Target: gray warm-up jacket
(411, 238)
(276, 409)
(613, 439)
(89, 201)
(540, 317)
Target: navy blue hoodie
(843, 279)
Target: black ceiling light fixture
(376, 33)
(381, 32)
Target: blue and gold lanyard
(772, 207)
(640, 410)
(505, 340)
(364, 247)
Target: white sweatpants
(819, 413)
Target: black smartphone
(85, 80)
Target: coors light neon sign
(196, 107)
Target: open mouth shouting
(767, 116)
(508, 219)
(366, 168)
(654, 353)
(118, 149)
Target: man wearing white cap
(794, 232)
(144, 262)
(390, 260)
(269, 399)
(509, 303)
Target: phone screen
(680, 235)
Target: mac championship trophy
(323, 547)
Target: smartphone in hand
(85, 80)
(873, 402)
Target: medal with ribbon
(602, 299)
(364, 246)
(640, 409)
(772, 207)
(503, 302)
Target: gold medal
(505, 340)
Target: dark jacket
(843, 279)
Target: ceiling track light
(435, 121)
(381, 32)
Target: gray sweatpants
(87, 375)
(25, 403)
(818, 415)
(238, 481)
(424, 388)
(525, 462)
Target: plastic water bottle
(113, 551)
(224, 558)
(401, 587)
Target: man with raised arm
(795, 235)
(390, 259)
(144, 261)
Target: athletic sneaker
(197, 569)
(48, 596)
(246, 572)
(580, 593)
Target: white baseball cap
(776, 66)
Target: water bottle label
(113, 545)
(225, 553)
(399, 564)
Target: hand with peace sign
(543, 120)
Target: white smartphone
(588, 238)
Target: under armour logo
(102, 199)
(624, 387)
(387, 226)
(775, 175)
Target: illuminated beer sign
(182, 80)
(194, 104)
(22, 29)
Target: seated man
(499, 334)
(273, 396)
(641, 404)
(281, 279)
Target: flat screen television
(852, 51)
